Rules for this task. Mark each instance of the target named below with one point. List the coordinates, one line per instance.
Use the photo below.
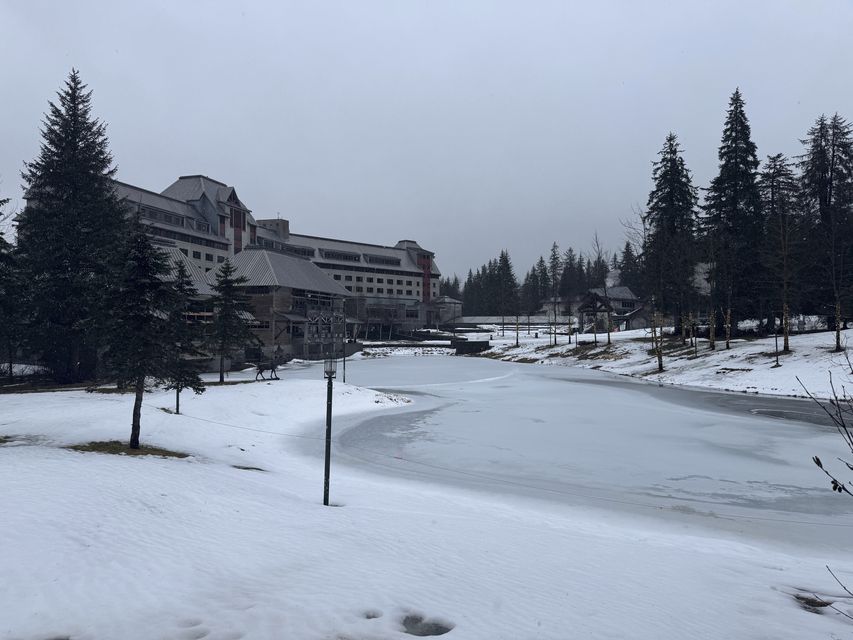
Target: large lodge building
(293, 278)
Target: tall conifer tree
(827, 184)
(733, 221)
(69, 235)
(669, 250)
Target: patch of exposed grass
(6, 439)
(116, 447)
(811, 603)
(227, 383)
(244, 468)
(110, 390)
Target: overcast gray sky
(468, 125)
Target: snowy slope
(748, 366)
(96, 546)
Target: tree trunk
(656, 341)
(11, 362)
(728, 328)
(137, 410)
(837, 323)
(609, 323)
(712, 330)
(178, 401)
(222, 367)
(786, 327)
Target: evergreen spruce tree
(544, 279)
(827, 189)
(230, 329)
(137, 338)
(670, 219)
(69, 235)
(529, 295)
(779, 189)
(568, 277)
(733, 222)
(508, 285)
(181, 372)
(469, 295)
(630, 270)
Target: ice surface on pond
(583, 437)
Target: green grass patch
(245, 468)
(228, 383)
(116, 447)
(6, 439)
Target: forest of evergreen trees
(763, 241)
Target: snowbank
(749, 366)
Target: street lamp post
(329, 368)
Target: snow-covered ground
(748, 366)
(503, 500)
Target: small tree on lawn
(138, 339)
(230, 329)
(180, 370)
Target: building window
(369, 289)
(348, 278)
(197, 255)
(359, 289)
(369, 279)
(399, 292)
(400, 282)
(380, 290)
(220, 259)
(208, 257)
(359, 279)
(408, 292)
(379, 280)
(329, 254)
(337, 276)
(349, 288)
(185, 252)
(408, 283)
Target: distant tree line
(493, 289)
(763, 241)
(84, 292)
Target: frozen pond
(729, 461)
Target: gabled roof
(192, 188)
(271, 269)
(615, 293)
(135, 194)
(199, 278)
